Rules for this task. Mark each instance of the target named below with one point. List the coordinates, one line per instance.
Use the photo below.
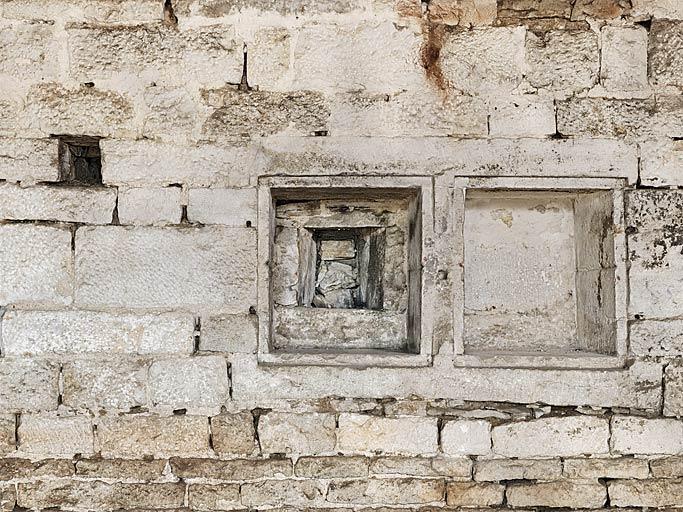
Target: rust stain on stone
(433, 36)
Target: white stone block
(522, 116)
(302, 434)
(52, 436)
(29, 160)
(633, 435)
(227, 206)
(372, 434)
(661, 163)
(624, 58)
(466, 437)
(145, 206)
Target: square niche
(345, 271)
(544, 273)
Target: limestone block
(466, 437)
(521, 10)
(28, 385)
(548, 437)
(346, 57)
(661, 161)
(238, 115)
(14, 468)
(495, 470)
(667, 9)
(233, 434)
(8, 498)
(228, 206)
(405, 435)
(633, 435)
(645, 493)
(456, 468)
(307, 434)
(172, 112)
(36, 264)
(141, 163)
(166, 267)
(562, 493)
(474, 494)
(483, 60)
(120, 469)
(145, 206)
(83, 205)
(29, 51)
(29, 160)
(236, 469)
(624, 58)
(220, 8)
(673, 389)
(98, 495)
(110, 384)
(136, 436)
(96, 10)
(667, 467)
(590, 469)
(332, 467)
(404, 491)
(657, 338)
(83, 332)
(425, 113)
(8, 441)
(522, 116)
(563, 61)
(278, 493)
(214, 497)
(463, 13)
(196, 384)
(228, 333)
(53, 436)
(666, 47)
(53, 108)
(653, 217)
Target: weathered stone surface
(589, 469)
(528, 9)
(657, 338)
(466, 437)
(8, 498)
(298, 493)
(100, 10)
(172, 115)
(563, 61)
(642, 119)
(84, 332)
(54, 436)
(120, 469)
(143, 163)
(661, 161)
(655, 282)
(522, 116)
(455, 468)
(307, 434)
(228, 333)
(633, 435)
(332, 467)
(668, 9)
(195, 384)
(258, 113)
(548, 437)
(483, 60)
(601, 9)
(645, 493)
(53, 108)
(516, 469)
(237, 469)
(29, 51)
(28, 160)
(667, 467)
(11, 469)
(463, 12)
(77, 204)
(111, 384)
(36, 264)
(233, 434)
(145, 206)
(136, 436)
(214, 497)
(623, 65)
(409, 436)
(474, 494)
(386, 491)
(7, 434)
(228, 206)
(28, 385)
(557, 494)
(99, 495)
(165, 267)
(673, 389)
(666, 45)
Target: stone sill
(539, 361)
(355, 358)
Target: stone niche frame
(420, 292)
(602, 201)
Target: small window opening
(80, 161)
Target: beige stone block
(495, 470)
(120, 469)
(53, 436)
(557, 494)
(667, 9)
(236, 469)
(332, 467)
(404, 491)
(673, 389)
(588, 469)
(666, 46)
(474, 494)
(646, 493)
(214, 497)
(228, 333)
(227, 206)
(277, 493)
(8, 441)
(306, 434)
(14, 468)
(150, 206)
(463, 13)
(661, 161)
(634, 435)
(28, 385)
(135, 436)
(466, 437)
(667, 467)
(458, 468)
(233, 434)
(373, 434)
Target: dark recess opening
(80, 161)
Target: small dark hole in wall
(80, 161)
(248, 223)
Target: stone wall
(139, 161)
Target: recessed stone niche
(345, 270)
(539, 272)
